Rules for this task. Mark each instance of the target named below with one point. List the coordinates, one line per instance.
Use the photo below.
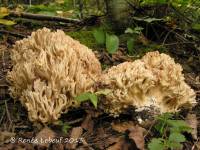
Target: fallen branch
(12, 33)
(43, 17)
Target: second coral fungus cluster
(51, 68)
(155, 81)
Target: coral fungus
(155, 81)
(49, 70)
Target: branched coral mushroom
(155, 81)
(49, 70)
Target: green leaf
(196, 27)
(112, 43)
(94, 99)
(130, 45)
(65, 127)
(100, 36)
(174, 145)
(103, 92)
(58, 122)
(83, 97)
(7, 22)
(176, 137)
(136, 30)
(129, 30)
(156, 144)
(160, 127)
(179, 125)
(162, 122)
(147, 19)
(88, 96)
(164, 117)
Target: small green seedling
(92, 97)
(65, 126)
(88, 96)
(174, 139)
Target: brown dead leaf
(7, 147)
(137, 135)
(76, 132)
(58, 146)
(122, 127)
(6, 136)
(117, 145)
(191, 120)
(75, 135)
(123, 144)
(198, 145)
(44, 136)
(142, 39)
(88, 123)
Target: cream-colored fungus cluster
(155, 81)
(49, 70)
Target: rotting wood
(43, 17)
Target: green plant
(88, 96)
(111, 41)
(132, 37)
(100, 36)
(92, 97)
(64, 126)
(170, 131)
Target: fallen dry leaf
(44, 136)
(142, 39)
(5, 137)
(122, 127)
(198, 145)
(191, 120)
(117, 145)
(75, 135)
(123, 144)
(88, 123)
(137, 135)
(58, 146)
(76, 132)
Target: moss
(85, 37)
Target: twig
(149, 130)
(195, 144)
(4, 112)
(75, 121)
(173, 31)
(43, 17)
(167, 36)
(169, 44)
(12, 33)
(7, 112)
(1, 103)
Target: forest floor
(92, 129)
